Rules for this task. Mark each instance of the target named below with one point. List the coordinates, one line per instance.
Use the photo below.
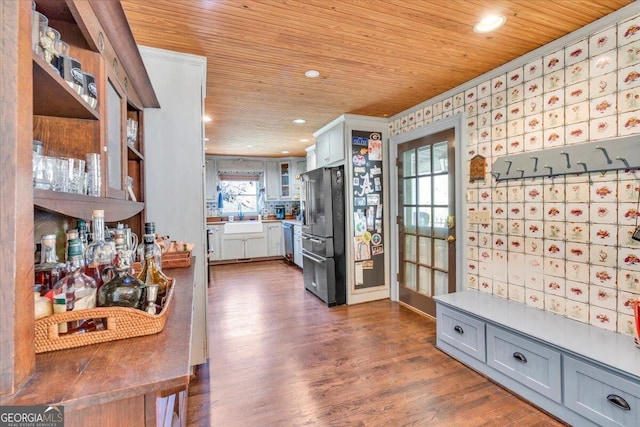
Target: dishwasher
(287, 228)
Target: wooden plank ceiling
(375, 57)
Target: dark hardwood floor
(279, 357)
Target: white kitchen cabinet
(311, 157)
(214, 241)
(297, 245)
(255, 245)
(300, 167)
(272, 180)
(284, 170)
(211, 179)
(233, 246)
(274, 239)
(244, 245)
(582, 374)
(330, 145)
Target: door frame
(457, 123)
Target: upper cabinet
(329, 145)
(211, 181)
(272, 180)
(284, 170)
(311, 157)
(99, 120)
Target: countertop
(266, 221)
(101, 373)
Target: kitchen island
(132, 382)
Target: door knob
(451, 239)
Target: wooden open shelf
(81, 206)
(52, 96)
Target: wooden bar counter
(124, 382)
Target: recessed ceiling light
(304, 140)
(285, 152)
(207, 118)
(206, 140)
(489, 23)
(249, 146)
(312, 74)
(299, 121)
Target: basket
(176, 259)
(169, 260)
(120, 323)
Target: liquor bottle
(71, 233)
(150, 228)
(150, 273)
(100, 254)
(47, 272)
(124, 289)
(75, 291)
(83, 232)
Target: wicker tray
(169, 260)
(120, 323)
(176, 259)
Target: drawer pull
(458, 329)
(618, 401)
(519, 357)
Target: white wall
(174, 166)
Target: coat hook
(604, 151)
(496, 175)
(508, 167)
(584, 165)
(535, 163)
(623, 160)
(550, 169)
(521, 172)
(567, 156)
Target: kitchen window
(238, 194)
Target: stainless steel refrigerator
(323, 234)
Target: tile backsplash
(560, 244)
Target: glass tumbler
(76, 175)
(61, 175)
(93, 174)
(38, 21)
(43, 171)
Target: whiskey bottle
(47, 272)
(100, 254)
(75, 291)
(124, 289)
(150, 274)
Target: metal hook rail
(605, 155)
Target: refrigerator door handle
(315, 258)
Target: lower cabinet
(240, 246)
(582, 374)
(274, 238)
(214, 235)
(297, 245)
(606, 398)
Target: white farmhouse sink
(243, 227)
